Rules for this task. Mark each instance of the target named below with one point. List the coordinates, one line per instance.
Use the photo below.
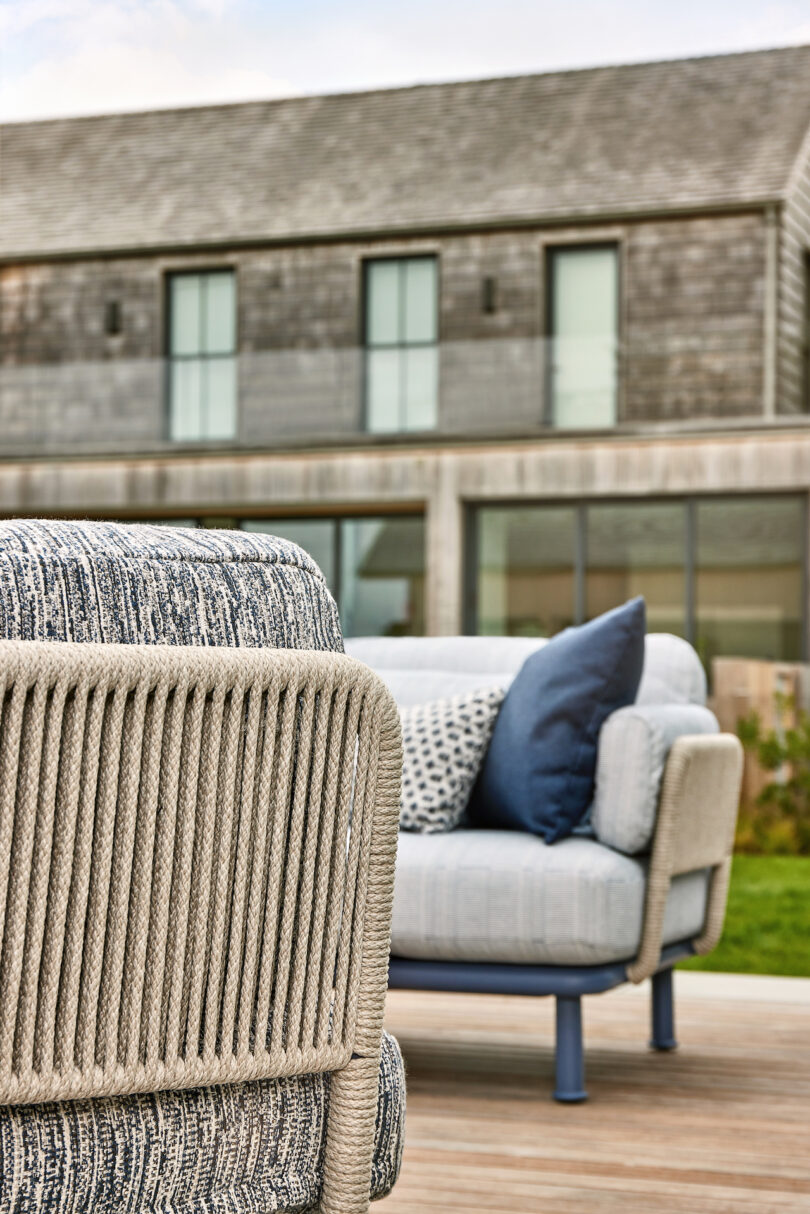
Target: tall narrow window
(202, 356)
(583, 336)
(401, 331)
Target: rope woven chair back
(196, 861)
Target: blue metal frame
(663, 1012)
(568, 983)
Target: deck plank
(717, 1127)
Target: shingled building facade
(500, 353)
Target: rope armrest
(697, 815)
(196, 863)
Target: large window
(749, 575)
(375, 568)
(727, 573)
(518, 551)
(583, 317)
(401, 335)
(632, 549)
(202, 355)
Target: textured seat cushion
(539, 770)
(247, 1147)
(221, 1150)
(480, 895)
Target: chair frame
(197, 853)
(697, 814)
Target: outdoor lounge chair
(641, 886)
(199, 797)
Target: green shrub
(778, 823)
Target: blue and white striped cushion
(140, 584)
(238, 1149)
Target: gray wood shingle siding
(681, 159)
(690, 336)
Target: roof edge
(354, 235)
(800, 162)
(405, 88)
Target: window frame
(170, 358)
(550, 250)
(689, 502)
(365, 295)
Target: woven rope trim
(697, 814)
(186, 836)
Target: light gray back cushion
(418, 669)
(633, 743)
(633, 746)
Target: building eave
(427, 230)
(428, 443)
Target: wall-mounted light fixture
(112, 318)
(489, 294)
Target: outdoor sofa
(641, 885)
(199, 796)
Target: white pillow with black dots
(444, 743)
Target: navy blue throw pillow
(539, 770)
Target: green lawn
(767, 927)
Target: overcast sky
(65, 57)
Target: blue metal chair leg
(570, 1064)
(663, 1012)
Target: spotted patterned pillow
(444, 743)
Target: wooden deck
(723, 1124)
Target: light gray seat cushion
(233, 1149)
(418, 669)
(479, 895)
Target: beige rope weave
(196, 860)
(697, 814)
